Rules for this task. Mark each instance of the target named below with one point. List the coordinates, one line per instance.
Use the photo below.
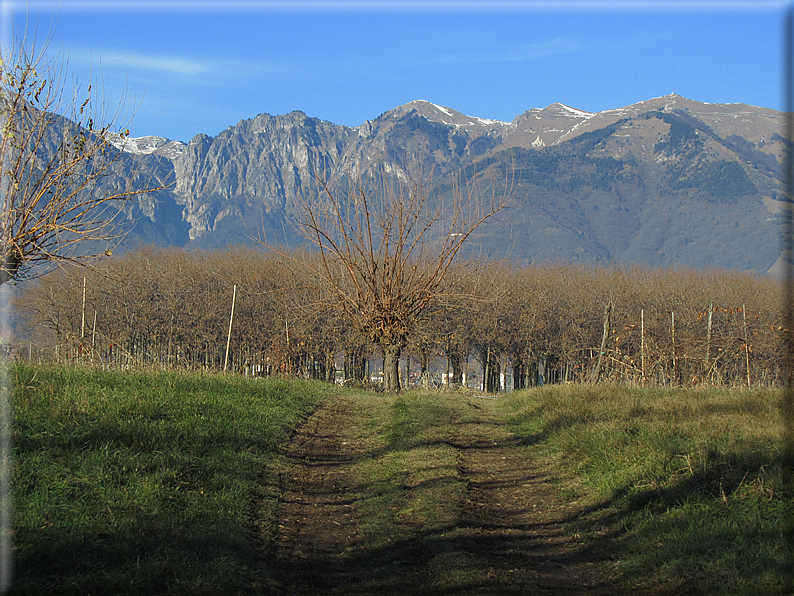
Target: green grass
(410, 470)
(406, 488)
(144, 483)
(689, 481)
(168, 483)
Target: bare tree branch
(386, 246)
(62, 200)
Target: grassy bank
(687, 485)
(143, 483)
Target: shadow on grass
(144, 559)
(445, 561)
(148, 503)
(693, 547)
(679, 538)
(110, 519)
(712, 531)
(466, 549)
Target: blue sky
(199, 67)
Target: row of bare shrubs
(172, 308)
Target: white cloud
(153, 62)
(114, 60)
(142, 65)
(534, 51)
(548, 48)
(544, 49)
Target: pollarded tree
(386, 247)
(60, 201)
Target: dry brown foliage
(386, 247)
(171, 308)
(59, 203)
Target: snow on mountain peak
(441, 109)
(575, 112)
(453, 117)
(561, 110)
(146, 145)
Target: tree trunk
(424, 372)
(494, 376)
(485, 356)
(491, 372)
(330, 368)
(519, 372)
(355, 365)
(391, 367)
(457, 369)
(348, 366)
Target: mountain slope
(665, 181)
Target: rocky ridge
(664, 181)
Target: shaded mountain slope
(668, 181)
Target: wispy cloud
(539, 50)
(558, 46)
(187, 69)
(166, 64)
(544, 49)
(156, 63)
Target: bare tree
(386, 247)
(58, 155)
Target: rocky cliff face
(664, 181)
(265, 163)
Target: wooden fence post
(229, 336)
(642, 344)
(607, 320)
(746, 346)
(93, 337)
(708, 340)
(82, 319)
(675, 360)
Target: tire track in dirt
(317, 530)
(514, 519)
(510, 537)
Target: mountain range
(667, 181)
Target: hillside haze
(667, 181)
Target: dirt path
(509, 537)
(318, 531)
(518, 518)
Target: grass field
(692, 480)
(168, 483)
(144, 483)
